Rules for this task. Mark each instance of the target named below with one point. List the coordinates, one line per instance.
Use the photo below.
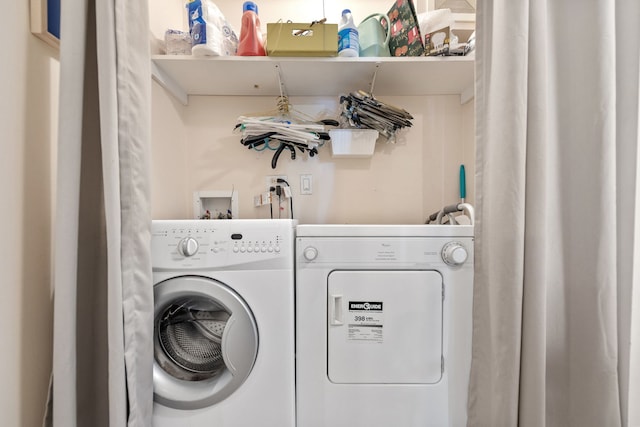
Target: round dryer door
(205, 342)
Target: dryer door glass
(205, 342)
(384, 327)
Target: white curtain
(557, 137)
(103, 308)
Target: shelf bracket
(467, 94)
(167, 82)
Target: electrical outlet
(266, 198)
(272, 180)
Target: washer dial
(188, 246)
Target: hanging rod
(281, 87)
(373, 79)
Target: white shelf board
(258, 76)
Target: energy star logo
(365, 305)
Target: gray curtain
(103, 318)
(556, 173)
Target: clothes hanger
(284, 128)
(363, 110)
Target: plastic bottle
(348, 44)
(251, 42)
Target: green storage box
(291, 39)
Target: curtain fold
(134, 129)
(103, 307)
(628, 208)
(633, 299)
(557, 120)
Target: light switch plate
(306, 184)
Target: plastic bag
(435, 27)
(177, 42)
(211, 34)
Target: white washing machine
(383, 325)
(224, 323)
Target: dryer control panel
(384, 252)
(206, 244)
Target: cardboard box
(291, 39)
(435, 27)
(437, 42)
(405, 37)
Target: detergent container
(373, 37)
(347, 36)
(251, 42)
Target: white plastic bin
(353, 143)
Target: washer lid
(205, 342)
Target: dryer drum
(192, 338)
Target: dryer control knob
(453, 253)
(310, 253)
(188, 246)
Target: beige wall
(195, 149)
(28, 117)
(182, 163)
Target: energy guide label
(365, 321)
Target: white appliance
(383, 325)
(224, 323)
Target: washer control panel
(242, 245)
(207, 244)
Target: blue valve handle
(463, 184)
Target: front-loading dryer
(224, 323)
(383, 325)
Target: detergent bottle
(251, 42)
(347, 36)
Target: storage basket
(353, 143)
(291, 39)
